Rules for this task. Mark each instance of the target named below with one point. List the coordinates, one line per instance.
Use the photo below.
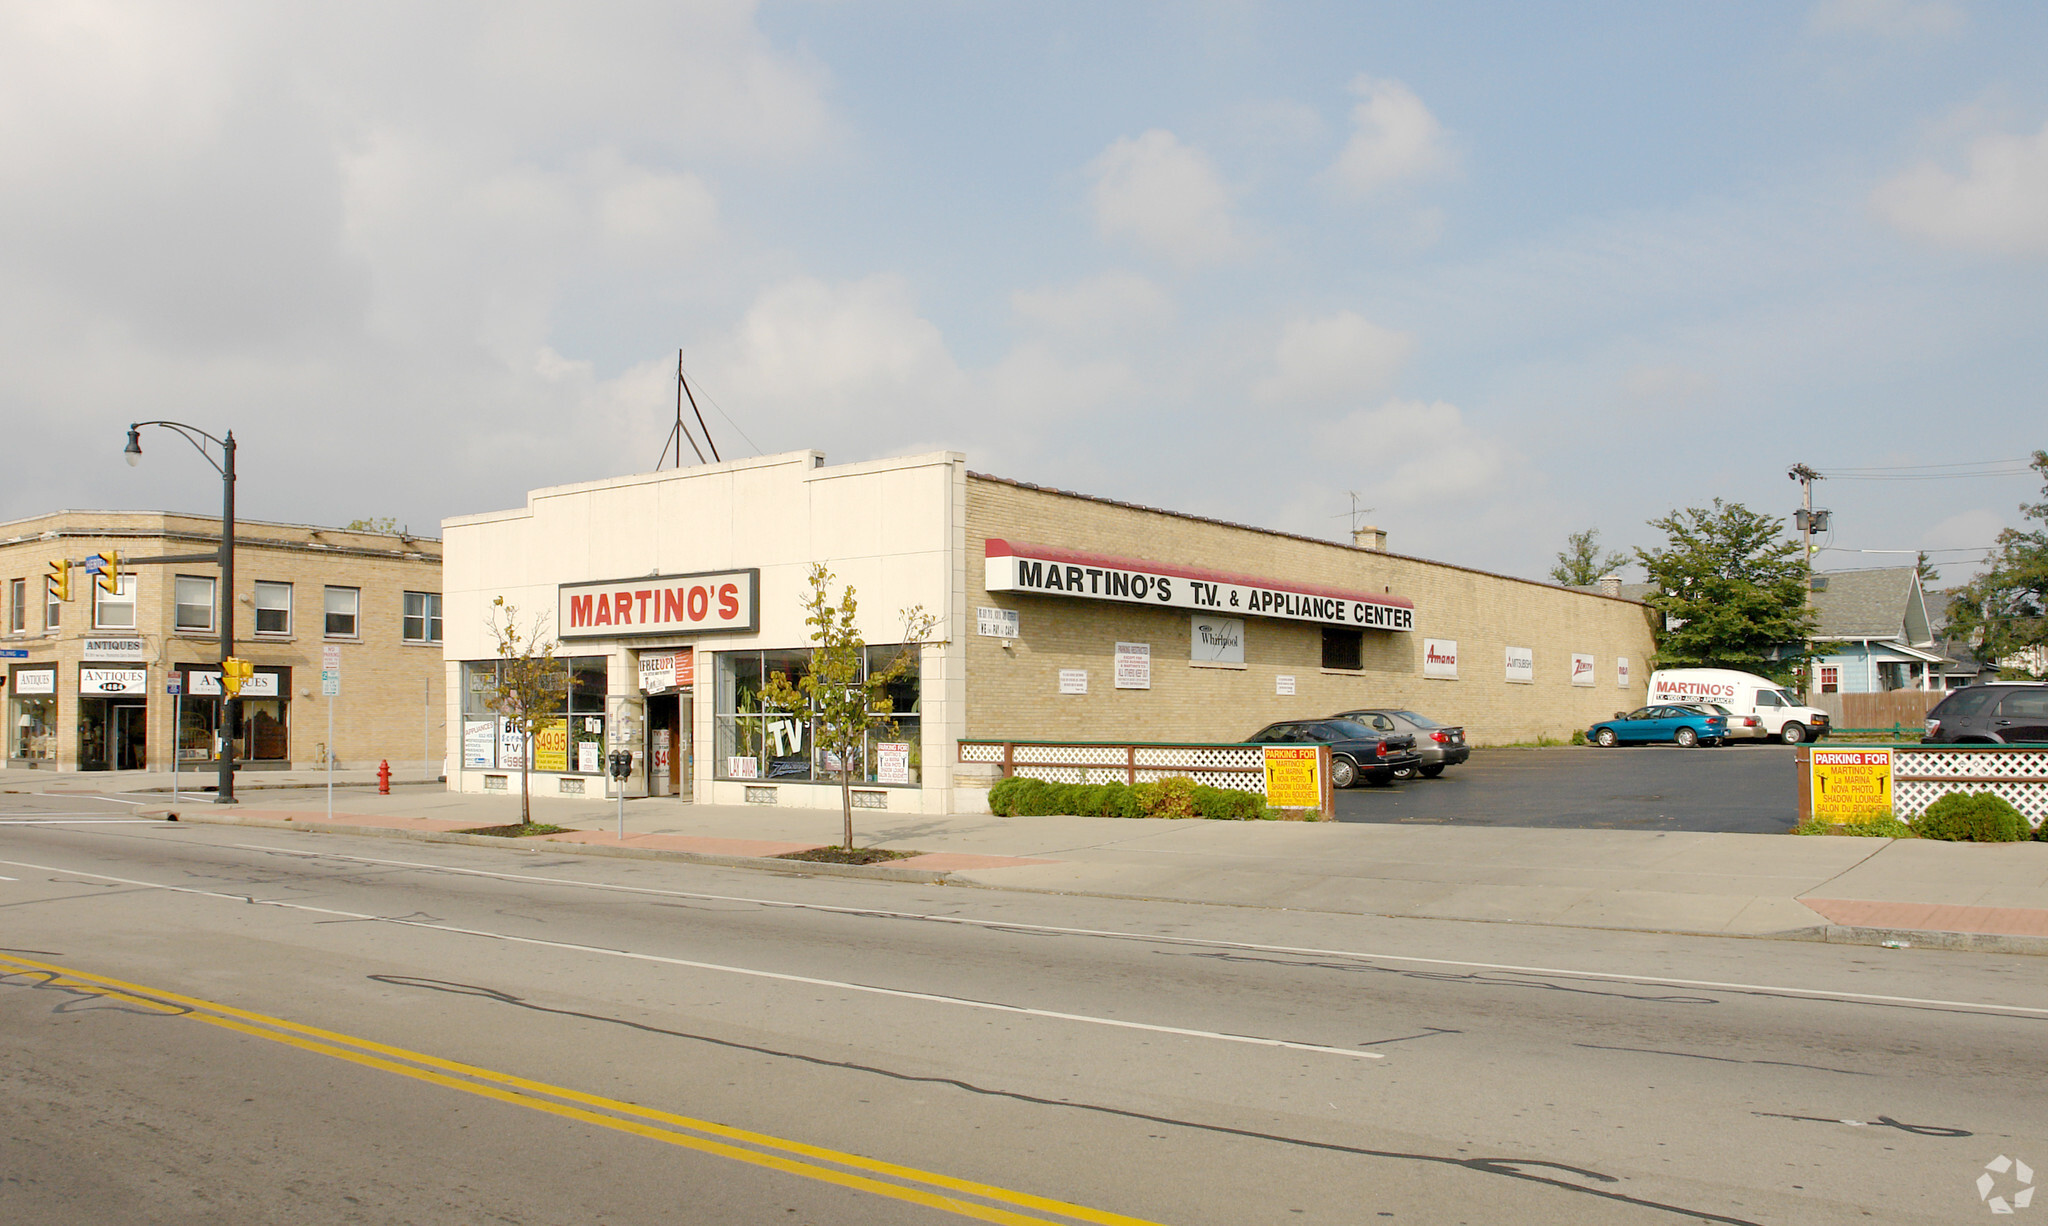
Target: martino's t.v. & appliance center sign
(1047, 571)
(712, 602)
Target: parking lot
(1741, 788)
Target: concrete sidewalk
(1954, 895)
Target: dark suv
(1996, 713)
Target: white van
(1762, 708)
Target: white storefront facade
(674, 596)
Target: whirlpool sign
(1061, 572)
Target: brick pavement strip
(1932, 917)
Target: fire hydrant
(384, 777)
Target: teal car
(1683, 726)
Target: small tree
(1579, 564)
(843, 704)
(529, 689)
(1731, 587)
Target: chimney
(1610, 585)
(1371, 538)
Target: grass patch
(840, 855)
(518, 831)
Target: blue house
(1874, 627)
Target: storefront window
(752, 742)
(265, 712)
(571, 742)
(32, 715)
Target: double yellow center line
(961, 1196)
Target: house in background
(1875, 632)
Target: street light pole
(230, 707)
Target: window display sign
(1522, 665)
(588, 758)
(742, 768)
(100, 682)
(1134, 666)
(1216, 640)
(892, 762)
(40, 681)
(1440, 659)
(661, 671)
(1582, 669)
(551, 746)
(511, 746)
(479, 737)
(1045, 570)
(1621, 672)
(715, 602)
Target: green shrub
(1121, 800)
(2041, 832)
(1227, 804)
(1976, 817)
(1578, 736)
(1002, 798)
(1874, 828)
(1175, 798)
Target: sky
(1489, 273)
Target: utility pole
(1805, 476)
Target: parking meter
(621, 764)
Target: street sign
(330, 672)
(14, 653)
(174, 687)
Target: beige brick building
(1060, 617)
(87, 680)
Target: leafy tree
(843, 706)
(529, 689)
(1731, 587)
(2004, 611)
(1579, 564)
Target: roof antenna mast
(684, 380)
(680, 433)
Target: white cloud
(817, 349)
(1167, 197)
(1999, 204)
(1394, 139)
(1344, 356)
(1106, 307)
(1897, 20)
(1438, 456)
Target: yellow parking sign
(1852, 785)
(1293, 778)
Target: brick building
(1061, 616)
(87, 680)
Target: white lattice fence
(1240, 768)
(1921, 776)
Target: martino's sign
(710, 603)
(1047, 571)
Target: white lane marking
(10, 879)
(74, 819)
(842, 985)
(1817, 993)
(112, 800)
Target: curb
(1917, 938)
(798, 868)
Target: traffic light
(60, 579)
(110, 573)
(234, 674)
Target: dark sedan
(1356, 751)
(1439, 744)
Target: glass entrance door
(129, 740)
(681, 763)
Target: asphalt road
(1741, 789)
(235, 1025)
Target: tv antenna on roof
(680, 433)
(1354, 512)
